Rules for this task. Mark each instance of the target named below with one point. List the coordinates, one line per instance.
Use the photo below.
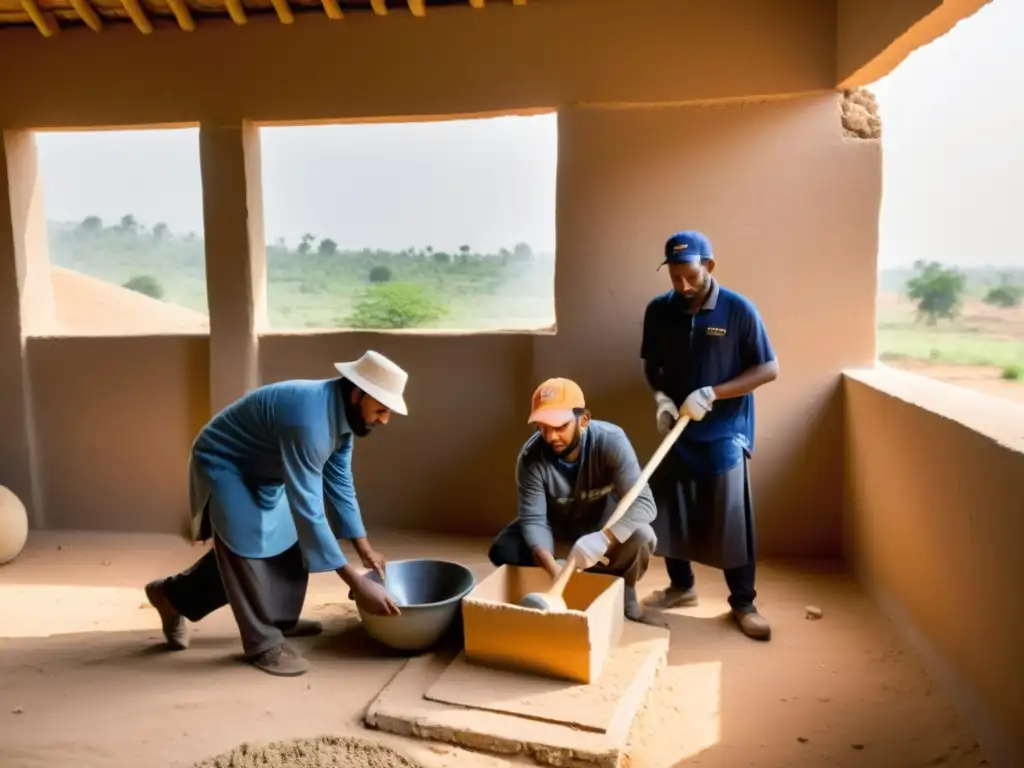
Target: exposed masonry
(860, 114)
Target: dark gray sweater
(562, 502)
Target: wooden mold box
(567, 645)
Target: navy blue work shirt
(722, 340)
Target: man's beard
(573, 444)
(354, 417)
(693, 302)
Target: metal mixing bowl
(429, 594)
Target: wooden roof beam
(333, 10)
(138, 16)
(183, 15)
(417, 7)
(45, 21)
(87, 14)
(380, 7)
(284, 11)
(236, 11)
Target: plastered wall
(934, 510)
(790, 205)
(115, 419)
(761, 180)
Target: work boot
(280, 660)
(632, 608)
(753, 624)
(672, 597)
(174, 625)
(304, 628)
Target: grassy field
(316, 285)
(983, 349)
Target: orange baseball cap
(554, 401)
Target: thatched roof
(50, 16)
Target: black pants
(265, 595)
(739, 580)
(629, 559)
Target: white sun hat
(379, 377)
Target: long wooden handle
(558, 585)
(562, 579)
(652, 464)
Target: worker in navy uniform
(705, 351)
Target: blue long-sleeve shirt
(268, 463)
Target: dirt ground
(977, 377)
(84, 681)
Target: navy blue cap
(687, 247)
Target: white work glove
(589, 550)
(698, 403)
(666, 413)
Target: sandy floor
(85, 683)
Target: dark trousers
(739, 580)
(265, 595)
(629, 560)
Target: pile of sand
(322, 752)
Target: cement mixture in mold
(321, 752)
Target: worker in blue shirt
(270, 482)
(705, 351)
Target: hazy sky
(953, 145)
(953, 124)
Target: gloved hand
(698, 403)
(589, 550)
(666, 413)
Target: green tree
(522, 252)
(327, 247)
(91, 225)
(129, 224)
(306, 244)
(395, 305)
(1005, 295)
(145, 284)
(380, 274)
(937, 290)
(161, 232)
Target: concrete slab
(402, 708)
(591, 707)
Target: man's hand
(698, 403)
(589, 550)
(665, 413)
(373, 598)
(546, 560)
(369, 557)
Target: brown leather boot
(753, 624)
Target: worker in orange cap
(571, 474)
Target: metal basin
(429, 594)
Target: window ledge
(434, 332)
(999, 420)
